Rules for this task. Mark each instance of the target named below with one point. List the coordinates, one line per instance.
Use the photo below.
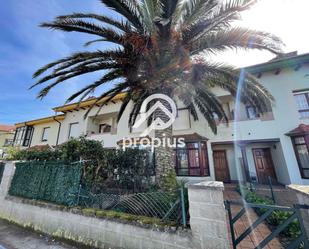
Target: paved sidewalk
(15, 237)
(259, 233)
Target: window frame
(28, 136)
(23, 136)
(306, 93)
(101, 128)
(257, 115)
(306, 138)
(204, 172)
(70, 128)
(43, 133)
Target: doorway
(264, 165)
(221, 166)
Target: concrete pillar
(7, 177)
(208, 216)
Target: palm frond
(63, 76)
(207, 113)
(235, 38)
(78, 70)
(252, 92)
(124, 26)
(130, 9)
(168, 7)
(112, 75)
(124, 104)
(150, 10)
(76, 56)
(213, 101)
(228, 12)
(190, 11)
(138, 100)
(78, 25)
(109, 95)
(94, 41)
(96, 57)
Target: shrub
(276, 218)
(11, 153)
(38, 153)
(80, 149)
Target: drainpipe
(58, 129)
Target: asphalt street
(15, 237)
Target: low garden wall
(207, 221)
(302, 194)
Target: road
(15, 237)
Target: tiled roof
(300, 130)
(7, 128)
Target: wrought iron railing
(301, 241)
(167, 206)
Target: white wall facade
(275, 125)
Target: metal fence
(270, 195)
(299, 241)
(166, 206)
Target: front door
(264, 165)
(221, 166)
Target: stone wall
(207, 215)
(208, 229)
(302, 194)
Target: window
(28, 136)
(23, 136)
(251, 112)
(192, 160)
(74, 130)
(105, 128)
(302, 101)
(45, 134)
(8, 142)
(301, 146)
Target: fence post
(208, 215)
(271, 189)
(183, 207)
(8, 173)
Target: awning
(301, 130)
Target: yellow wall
(5, 135)
(38, 132)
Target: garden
(100, 182)
(276, 218)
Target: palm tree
(163, 46)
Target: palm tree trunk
(164, 159)
(164, 155)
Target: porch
(250, 161)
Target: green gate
(300, 242)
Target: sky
(24, 47)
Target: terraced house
(274, 144)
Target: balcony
(107, 139)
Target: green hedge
(2, 166)
(55, 182)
